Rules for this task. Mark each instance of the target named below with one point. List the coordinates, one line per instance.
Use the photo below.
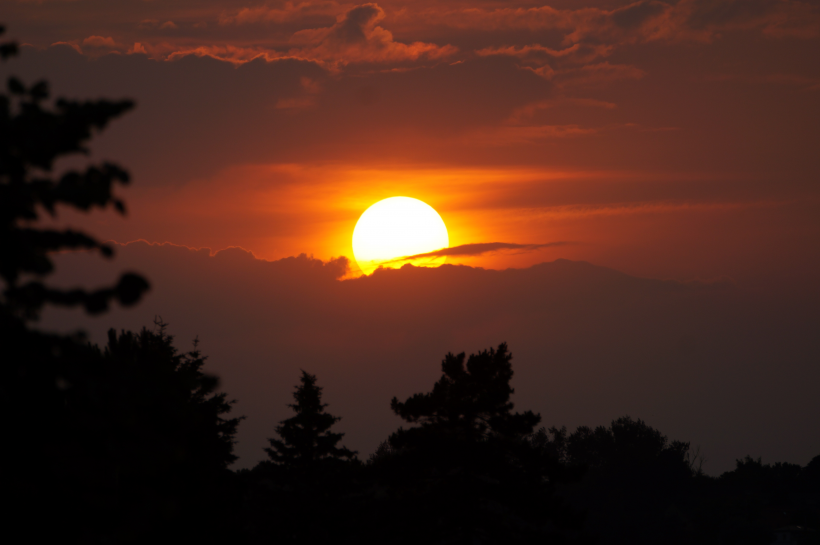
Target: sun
(395, 228)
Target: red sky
(667, 140)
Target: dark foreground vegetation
(132, 442)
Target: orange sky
(673, 140)
(664, 139)
(655, 137)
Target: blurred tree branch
(32, 137)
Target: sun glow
(396, 228)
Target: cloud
(480, 248)
(357, 37)
(588, 75)
(339, 34)
(96, 46)
(546, 71)
(289, 12)
(578, 53)
(100, 41)
(643, 21)
(236, 55)
(138, 49)
(73, 45)
(698, 20)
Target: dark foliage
(173, 404)
(33, 135)
(636, 482)
(640, 488)
(756, 500)
(119, 445)
(7, 49)
(471, 403)
(467, 473)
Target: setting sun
(396, 228)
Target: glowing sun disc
(395, 228)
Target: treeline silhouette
(132, 442)
(472, 471)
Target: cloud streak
(480, 248)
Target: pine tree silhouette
(303, 490)
(306, 439)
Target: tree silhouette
(298, 493)
(146, 412)
(625, 441)
(109, 446)
(119, 444)
(466, 472)
(635, 483)
(155, 383)
(306, 439)
(470, 403)
(32, 137)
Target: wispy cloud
(358, 37)
(480, 248)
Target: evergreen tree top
(306, 438)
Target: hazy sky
(667, 140)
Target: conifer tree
(306, 439)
